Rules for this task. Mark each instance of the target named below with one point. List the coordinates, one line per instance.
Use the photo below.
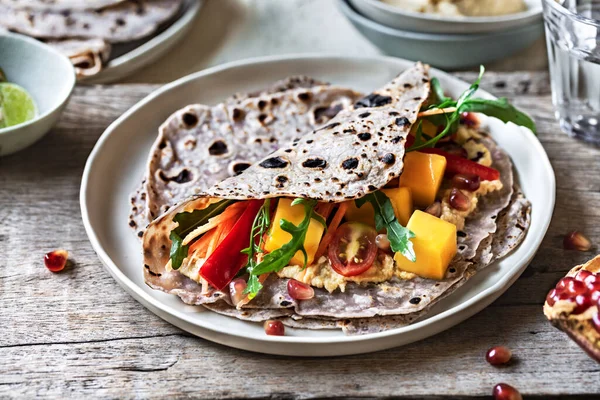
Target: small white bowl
(46, 74)
(396, 17)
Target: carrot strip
(324, 209)
(232, 211)
(335, 223)
(201, 244)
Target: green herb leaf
(259, 227)
(500, 109)
(178, 252)
(188, 221)
(398, 235)
(278, 259)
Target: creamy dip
(467, 8)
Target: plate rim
(152, 303)
(146, 49)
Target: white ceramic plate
(117, 164)
(144, 54)
(399, 18)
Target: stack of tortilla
(185, 142)
(84, 30)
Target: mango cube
(277, 237)
(401, 199)
(423, 174)
(434, 243)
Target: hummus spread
(466, 8)
(321, 275)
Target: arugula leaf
(398, 235)
(188, 221)
(277, 260)
(259, 227)
(500, 109)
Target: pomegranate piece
(56, 260)
(458, 200)
(583, 275)
(468, 182)
(274, 328)
(502, 391)
(576, 241)
(498, 355)
(236, 290)
(552, 297)
(469, 119)
(435, 209)
(299, 290)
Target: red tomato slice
(353, 249)
(459, 165)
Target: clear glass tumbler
(573, 36)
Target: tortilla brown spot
(402, 121)
(189, 119)
(218, 148)
(373, 100)
(274, 162)
(389, 159)
(350, 163)
(364, 136)
(314, 163)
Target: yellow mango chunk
(364, 215)
(423, 174)
(401, 199)
(402, 202)
(434, 243)
(277, 237)
(427, 127)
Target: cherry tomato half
(353, 249)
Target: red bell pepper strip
(410, 140)
(459, 165)
(224, 263)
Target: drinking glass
(573, 36)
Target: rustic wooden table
(77, 333)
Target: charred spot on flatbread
(182, 177)
(315, 163)
(237, 167)
(389, 159)
(190, 120)
(274, 162)
(373, 100)
(218, 148)
(350, 163)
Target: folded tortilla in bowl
(352, 157)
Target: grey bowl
(448, 51)
(46, 74)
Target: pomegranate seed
(458, 200)
(502, 391)
(382, 242)
(551, 298)
(236, 290)
(582, 275)
(469, 182)
(583, 302)
(562, 284)
(576, 241)
(498, 355)
(594, 289)
(56, 260)
(469, 119)
(435, 209)
(576, 287)
(590, 280)
(300, 291)
(274, 328)
(596, 321)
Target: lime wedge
(16, 105)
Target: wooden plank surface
(77, 333)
